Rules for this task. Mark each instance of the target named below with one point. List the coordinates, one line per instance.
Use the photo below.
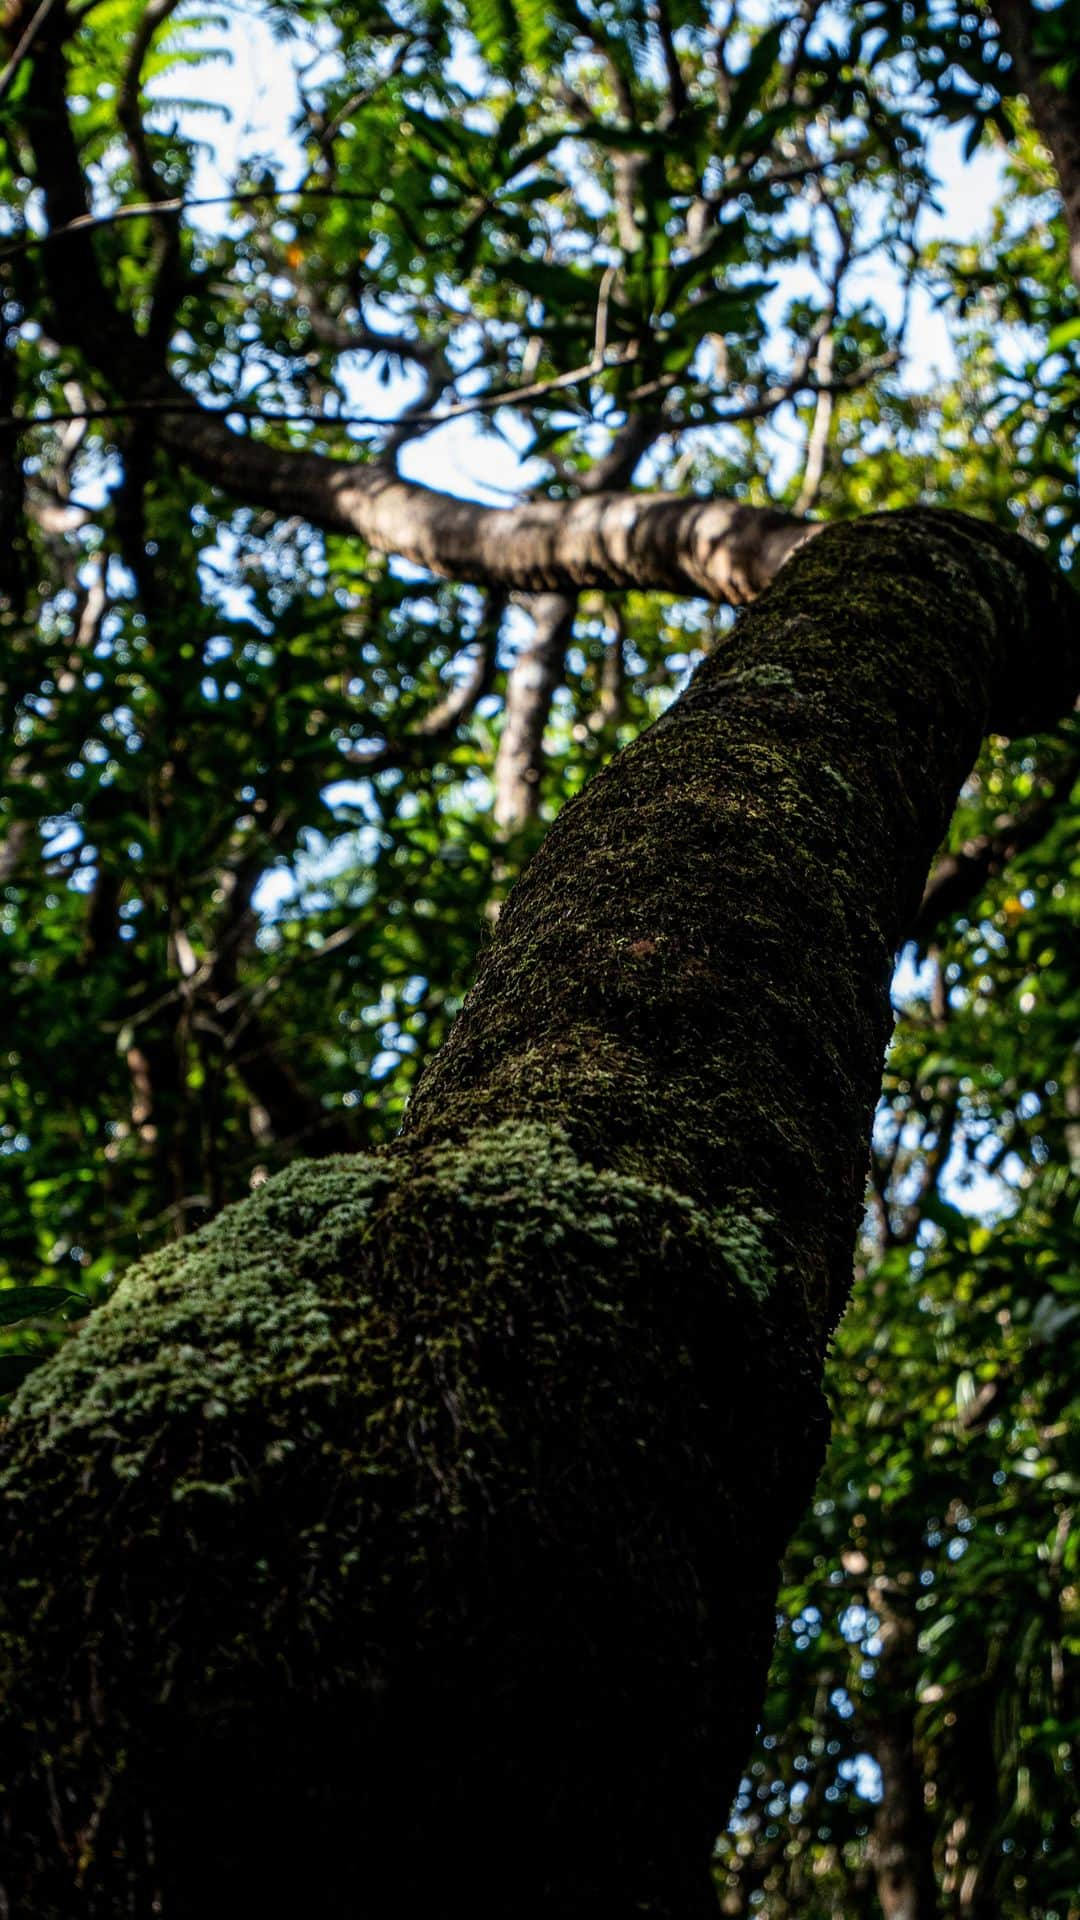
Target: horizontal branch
(718, 549)
(715, 548)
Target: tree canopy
(667, 272)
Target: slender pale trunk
(538, 668)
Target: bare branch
(530, 685)
(179, 401)
(535, 674)
(717, 549)
(24, 46)
(129, 99)
(420, 416)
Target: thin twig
(7, 78)
(483, 403)
(144, 209)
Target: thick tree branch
(817, 445)
(530, 686)
(714, 548)
(717, 549)
(709, 547)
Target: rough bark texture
(406, 1541)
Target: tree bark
(902, 1843)
(407, 1539)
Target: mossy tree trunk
(406, 1541)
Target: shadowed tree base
(418, 1548)
(406, 1541)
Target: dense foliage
(258, 804)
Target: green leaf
(18, 89)
(750, 82)
(1061, 336)
(26, 1303)
(557, 286)
(494, 23)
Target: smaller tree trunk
(530, 686)
(902, 1844)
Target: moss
(742, 1237)
(420, 1516)
(766, 674)
(270, 1467)
(844, 785)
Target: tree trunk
(530, 688)
(406, 1541)
(538, 668)
(902, 1844)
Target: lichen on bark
(407, 1539)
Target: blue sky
(257, 86)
